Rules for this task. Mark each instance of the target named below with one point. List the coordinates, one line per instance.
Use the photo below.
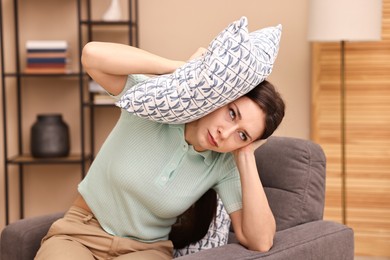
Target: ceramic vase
(114, 12)
(50, 137)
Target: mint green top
(146, 174)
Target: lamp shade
(344, 20)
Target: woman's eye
(232, 114)
(243, 136)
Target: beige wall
(175, 29)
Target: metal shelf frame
(21, 160)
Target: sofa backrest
(293, 173)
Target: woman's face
(227, 128)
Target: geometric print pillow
(235, 62)
(217, 235)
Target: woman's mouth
(211, 140)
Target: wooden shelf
(29, 159)
(22, 74)
(90, 104)
(109, 23)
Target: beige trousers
(79, 236)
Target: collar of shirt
(208, 155)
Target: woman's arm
(110, 63)
(254, 225)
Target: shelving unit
(130, 25)
(16, 80)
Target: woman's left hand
(254, 225)
(250, 148)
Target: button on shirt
(146, 174)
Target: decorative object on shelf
(103, 99)
(46, 56)
(50, 137)
(342, 21)
(114, 12)
(94, 87)
(100, 95)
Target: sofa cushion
(236, 61)
(322, 240)
(294, 179)
(21, 239)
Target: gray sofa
(293, 173)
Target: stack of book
(47, 57)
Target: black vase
(50, 137)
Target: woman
(147, 174)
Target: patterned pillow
(235, 62)
(217, 234)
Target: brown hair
(270, 101)
(194, 223)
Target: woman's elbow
(260, 243)
(88, 53)
(263, 246)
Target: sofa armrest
(21, 239)
(313, 240)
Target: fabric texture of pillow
(235, 62)
(217, 235)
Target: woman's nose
(227, 131)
